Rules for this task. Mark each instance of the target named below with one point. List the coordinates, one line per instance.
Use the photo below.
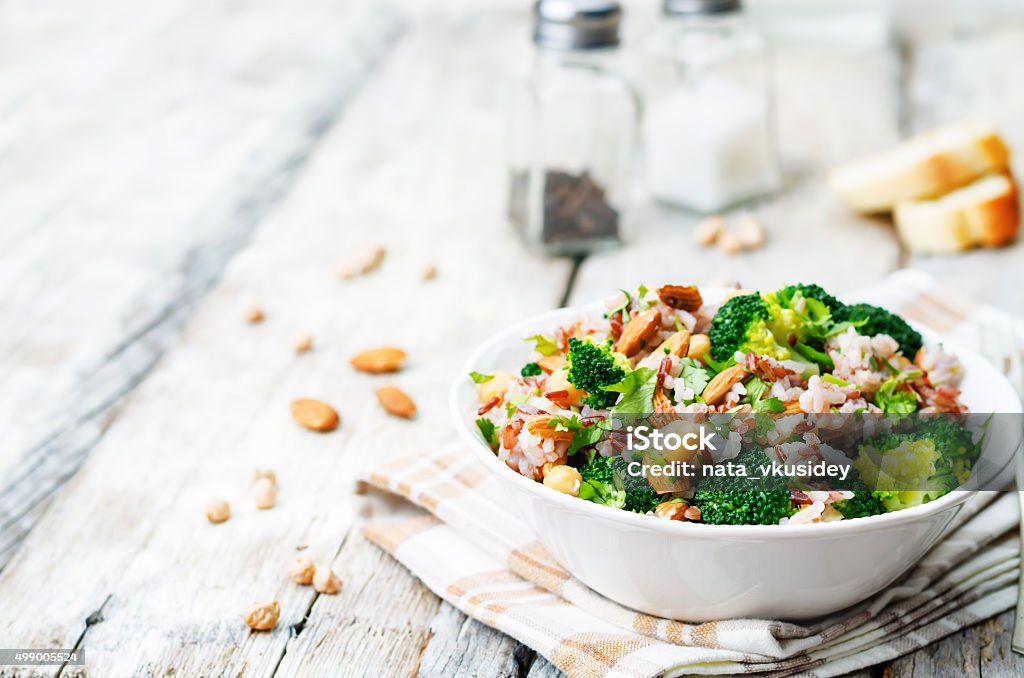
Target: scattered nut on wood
(301, 571)
(264, 493)
(366, 262)
(750, 232)
(382, 359)
(325, 581)
(707, 231)
(395, 401)
(217, 510)
(315, 415)
(260, 473)
(303, 344)
(730, 243)
(262, 616)
(253, 314)
(429, 272)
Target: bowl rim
(679, 528)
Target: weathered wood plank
(128, 529)
(462, 647)
(982, 650)
(97, 288)
(464, 52)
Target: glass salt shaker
(708, 126)
(573, 133)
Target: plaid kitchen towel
(487, 563)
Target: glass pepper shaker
(573, 132)
(708, 126)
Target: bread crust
(930, 227)
(877, 184)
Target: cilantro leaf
(637, 391)
(488, 431)
(769, 405)
(544, 345)
(694, 375)
(588, 435)
(755, 390)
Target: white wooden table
(163, 165)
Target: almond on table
(396, 402)
(378, 360)
(301, 571)
(303, 344)
(315, 415)
(253, 314)
(325, 581)
(262, 616)
(217, 510)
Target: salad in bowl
(867, 415)
(806, 409)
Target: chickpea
(699, 346)
(564, 479)
(495, 386)
(217, 510)
(559, 381)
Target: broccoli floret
(598, 469)
(598, 483)
(864, 503)
(874, 320)
(735, 322)
(914, 467)
(605, 481)
(640, 496)
(744, 500)
(591, 367)
(773, 325)
(531, 370)
(812, 292)
(642, 501)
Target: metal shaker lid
(700, 6)
(576, 24)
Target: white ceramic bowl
(697, 572)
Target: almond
(325, 581)
(543, 426)
(638, 332)
(707, 231)
(678, 344)
(718, 388)
(303, 344)
(685, 297)
(396, 402)
(550, 363)
(315, 415)
(730, 243)
(253, 314)
(663, 409)
(383, 359)
(750, 232)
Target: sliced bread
(985, 213)
(927, 166)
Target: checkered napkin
(488, 564)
